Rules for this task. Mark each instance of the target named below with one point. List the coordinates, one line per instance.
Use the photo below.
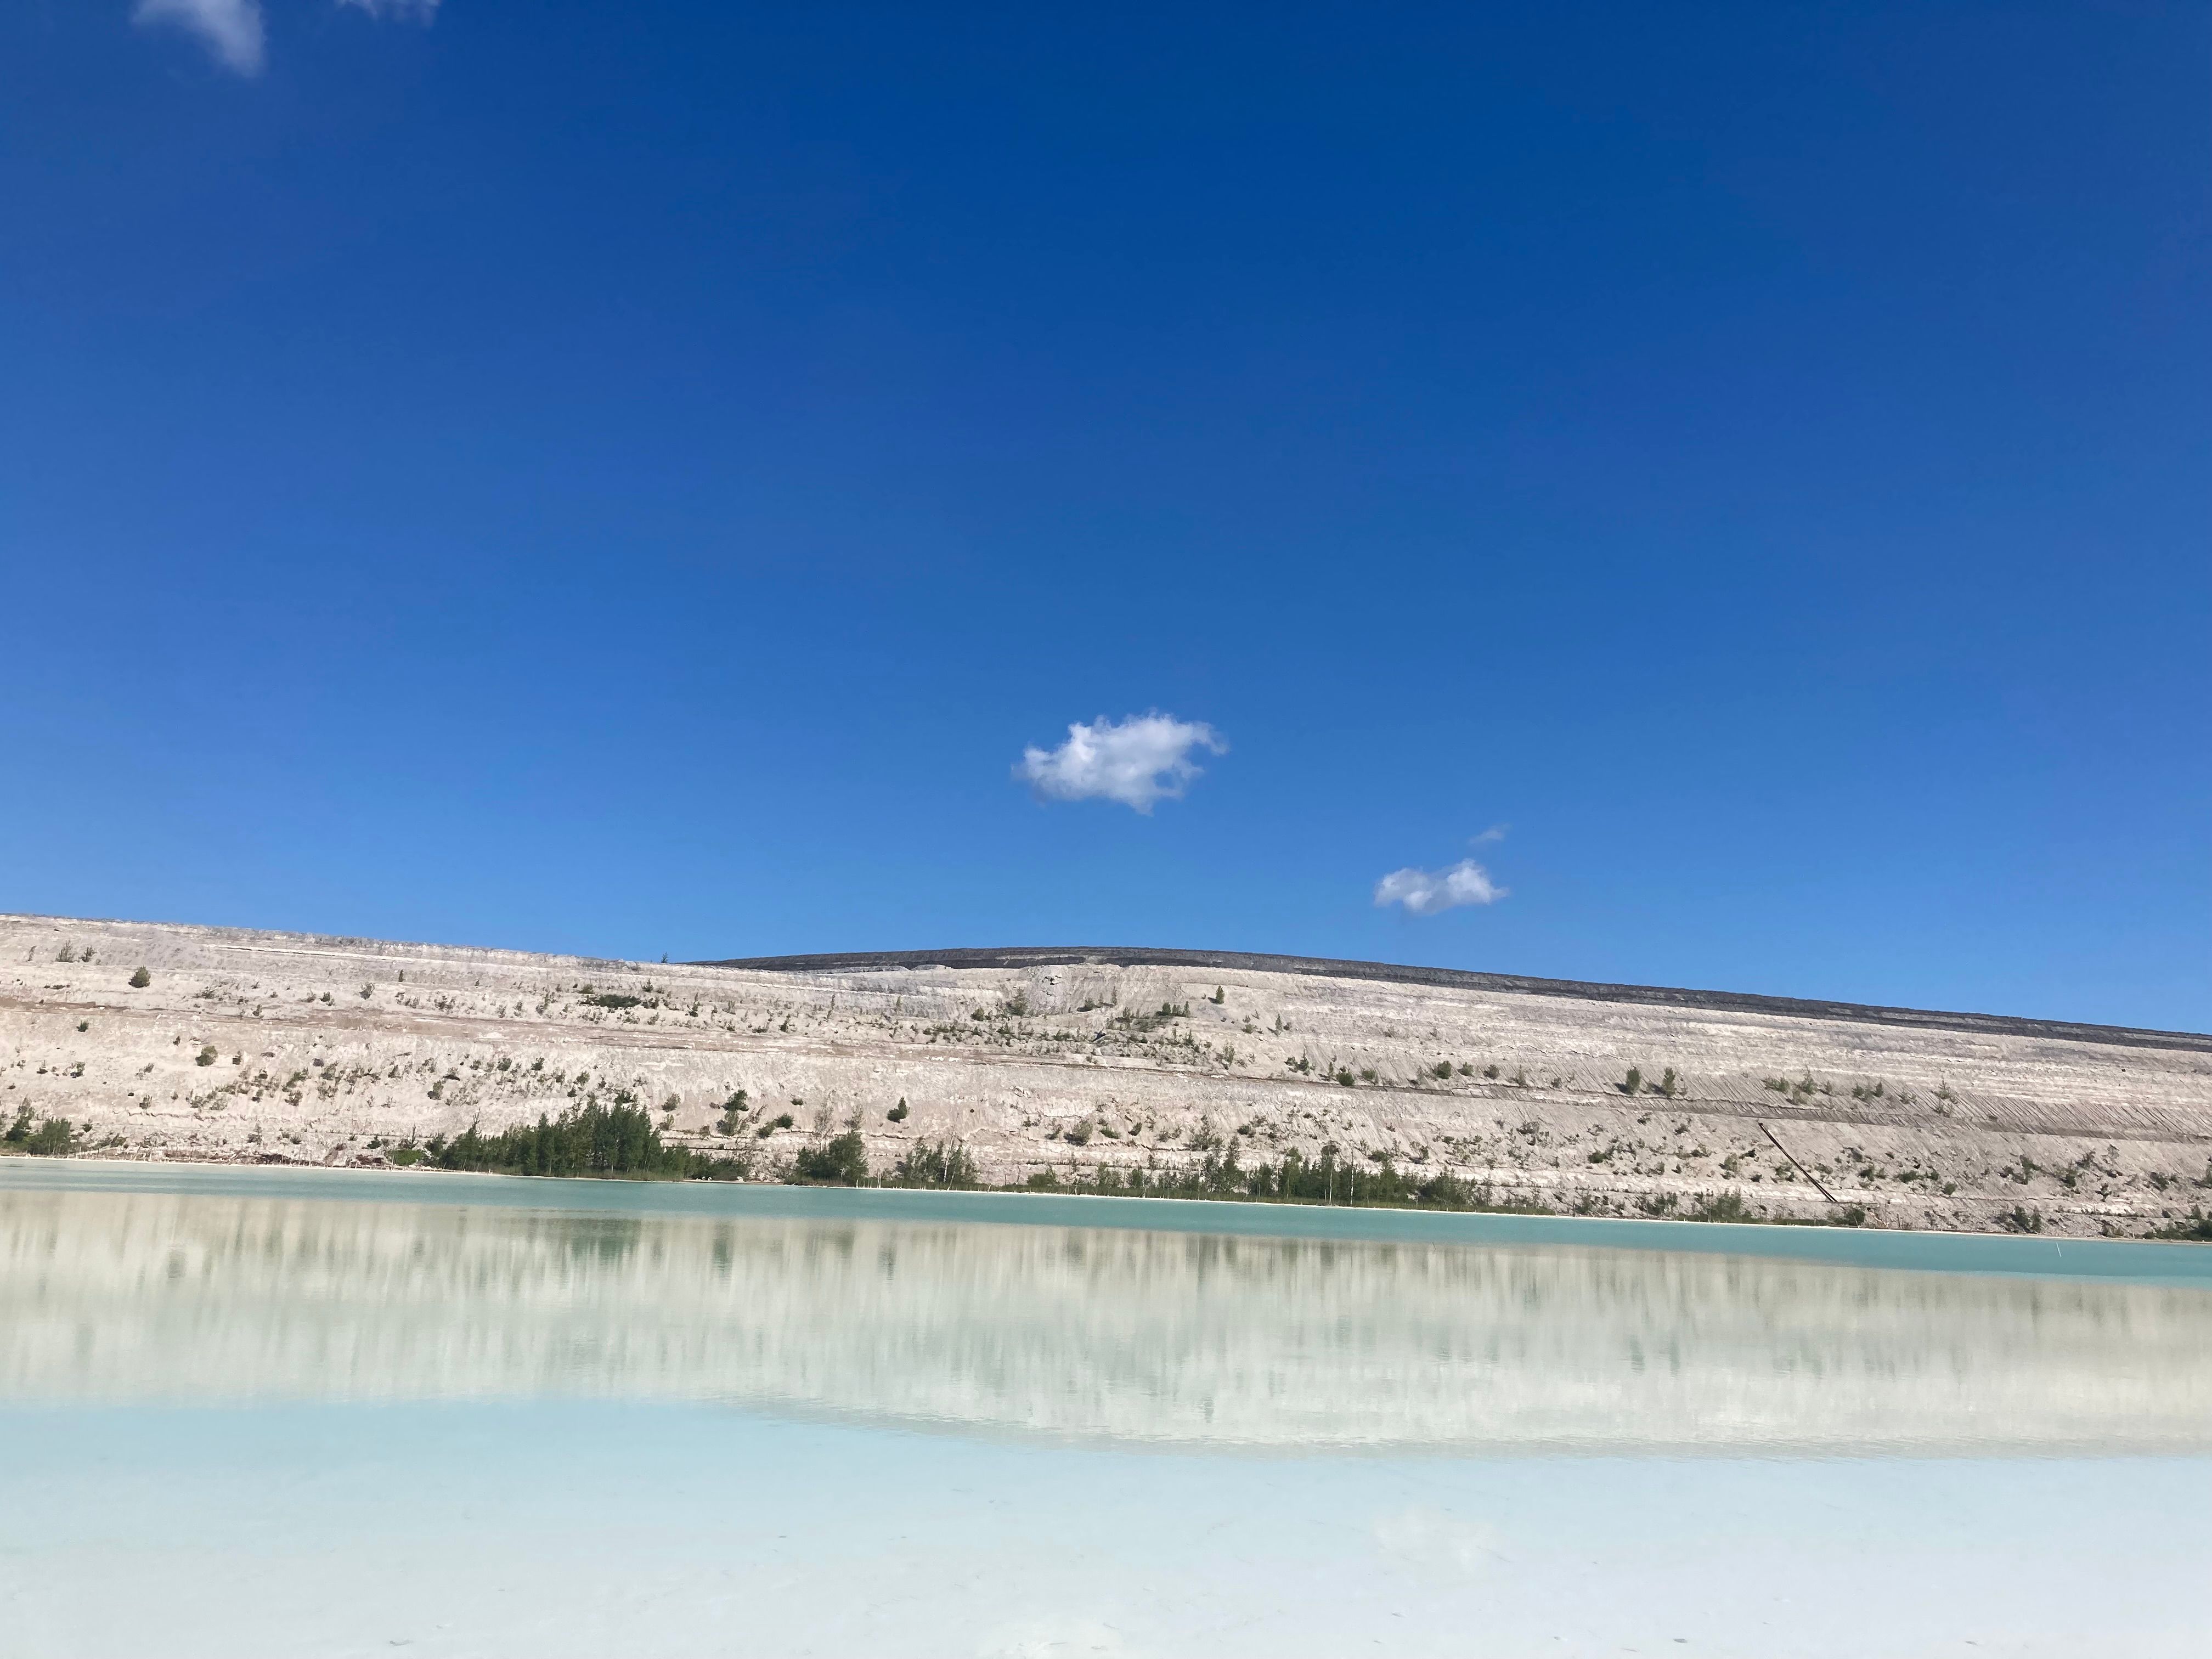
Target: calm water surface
(274, 1412)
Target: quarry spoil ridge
(261, 1047)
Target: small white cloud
(1426, 892)
(1137, 762)
(413, 11)
(231, 29)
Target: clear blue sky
(636, 478)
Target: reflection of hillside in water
(1125, 1335)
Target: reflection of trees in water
(1150, 1335)
(609, 1240)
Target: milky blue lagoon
(270, 1412)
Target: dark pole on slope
(1796, 1165)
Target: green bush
(930, 1165)
(842, 1161)
(585, 1140)
(897, 1114)
(141, 980)
(53, 1138)
(1295, 1180)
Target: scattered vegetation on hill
(1294, 1180)
(592, 1139)
(1644, 1138)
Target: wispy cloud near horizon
(237, 35)
(231, 29)
(414, 11)
(1138, 762)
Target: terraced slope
(1128, 955)
(331, 1051)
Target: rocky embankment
(243, 1046)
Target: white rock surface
(323, 1050)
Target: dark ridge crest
(1116, 956)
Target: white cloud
(235, 31)
(231, 29)
(1426, 892)
(416, 12)
(1137, 762)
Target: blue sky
(640, 478)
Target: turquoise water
(262, 1410)
(1857, 1247)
